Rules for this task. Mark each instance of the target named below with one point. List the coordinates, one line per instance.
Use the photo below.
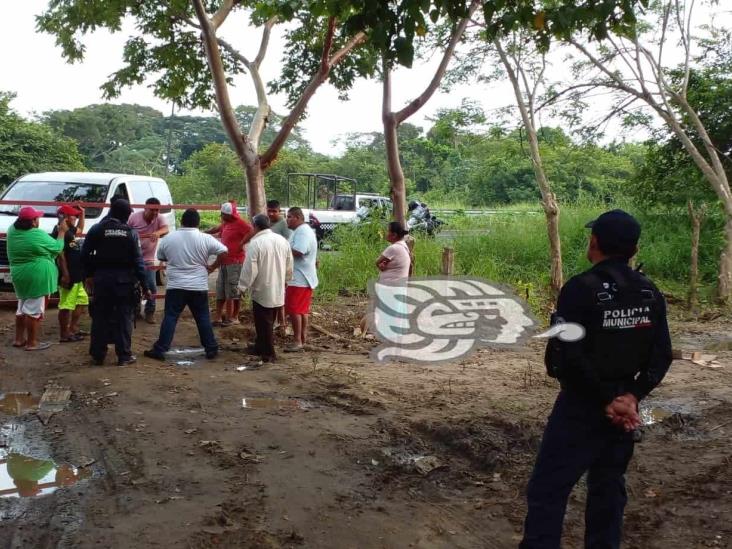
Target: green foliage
(133, 138)
(212, 174)
(513, 249)
(27, 147)
(102, 129)
(357, 247)
(668, 175)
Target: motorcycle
(422, 220)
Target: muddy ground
(335, 451)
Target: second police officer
(113, 266)
(624, 355)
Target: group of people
(274, 259)
(624, 354)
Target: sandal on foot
(40, 347)
(73, 338)
(18, 345)
(293, 349)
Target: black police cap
(616, 226)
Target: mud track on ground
(334, 451)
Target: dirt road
(326, 449)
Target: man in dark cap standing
(266, 271)
(623, 356)
(113, 265)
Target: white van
(77, 187)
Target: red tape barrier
(209, 207)
(149, 268)
(55, 299)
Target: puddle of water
(185, 357)
(187, 351)
(657, 411)
(401, 456)
(25, 476)
(652, 415)
(266, 403)
(16, 404)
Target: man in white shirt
(267, 268)
(186, 252)
(299, 293)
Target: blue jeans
(578, 439)
(151, 287)
(197, 303)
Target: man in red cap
(234, 233)
(32, 254)
(73, 299)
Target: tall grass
(513, 249)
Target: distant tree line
(458, 159)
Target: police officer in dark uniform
(113, 265)
(624, 354)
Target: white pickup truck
(344, 209)
(68, 187)
(329, 200)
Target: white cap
(227, 208)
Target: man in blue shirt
(299, 294)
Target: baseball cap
(29, 212)
(66, 209)
(227, 208)
(616, 227)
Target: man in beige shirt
(266, 271)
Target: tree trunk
(711, 167)
(391, 140)
(398, 190)
(724, 286)
(551, 211)
(255, 189)
(548, 199)
(391, 120)
(246, 153)
(696, 216)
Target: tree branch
(265, 41)
(318, 78)
(457, 34)
(620, 51)
(355, 41)
(261, 116)
(386, 92)
(223, 102)
(234, 52)
(222, 13)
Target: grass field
(513, 248)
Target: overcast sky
(31, 65)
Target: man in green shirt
(278, 223)
(279, 226)
(32, 254)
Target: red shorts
(298, 300)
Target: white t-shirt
(303, 240)
(186, 252)
(398, 266)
